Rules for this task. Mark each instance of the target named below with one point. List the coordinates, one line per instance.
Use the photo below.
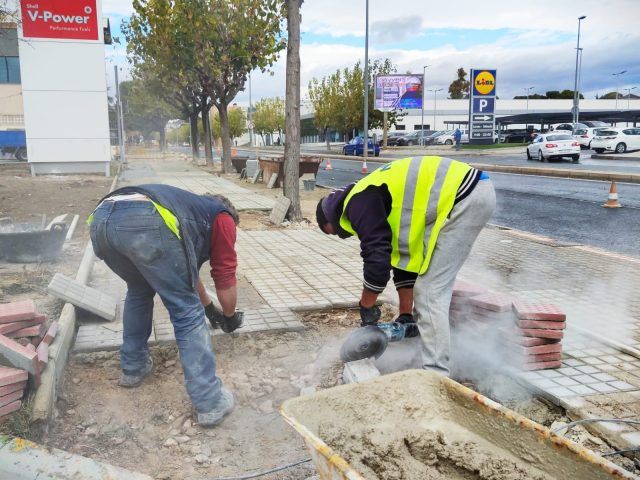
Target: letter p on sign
(484, 105)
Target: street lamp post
(527, 90)
(365, 147)
(424, 84)
(435, 104)
(617, 75)
(629, 96)
(576, 95)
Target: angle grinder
(371, 341)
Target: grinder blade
(364, 342)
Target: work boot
(132, 381)
(224, 407)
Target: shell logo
(485, 82)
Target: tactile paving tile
(87, 298)
(280, 209)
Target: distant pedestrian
(457, 136)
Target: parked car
(594, 123)
(431, 139)
(14, 142)
(618, 140)
(409, 139)
(447, 138)
(356, 147)
(521, 137)
(566, 126)
(552, 145)
(584, 136)
(392, 138)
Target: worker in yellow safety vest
(419, 218)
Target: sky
(531, 44)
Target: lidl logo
(484, 82)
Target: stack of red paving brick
(537, 336)
(460, 309)
(25, 337)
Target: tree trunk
(385, 128)
(292, 112)
(326, 137)
(206, 126)
(193, 123)
(226, 140)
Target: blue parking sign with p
(484, 105)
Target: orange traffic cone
(364, 167)
(328, 167)
(612, 201)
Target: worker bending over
(156, 238)
(418, 217)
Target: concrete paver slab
(87, 298)
(280, 209)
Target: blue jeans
(132, 239)
(457, 144)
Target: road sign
(484, 82)
(482, 126)
(482, 118)
(484, 105)
(481, 135)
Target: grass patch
(491, 146)
(19, 423)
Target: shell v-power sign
(61, 19)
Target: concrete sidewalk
(286, 270)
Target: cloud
(395, 30)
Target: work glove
(213, 315)
(410, 325)
(369, 316)
(229, 324)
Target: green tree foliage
(564, 94)
(535, 96)
(338, 98)
(459, 88)
(237, 123)
(144, 111)
(268, 116)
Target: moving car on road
(618, 140)
(356, 147)
(552, 145)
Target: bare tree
(292, 111)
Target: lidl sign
(484, 82)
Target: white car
(618, 140)
(554, 145)
(447, 138)
(585, 135)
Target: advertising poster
(394, 92)
(60, 19)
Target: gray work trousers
(432, 291)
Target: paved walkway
(291, 270)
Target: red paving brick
(12, 407)
(17, 311)
(538, 349)
(496, 302)
(538, 311)
(543, 357)
(9, 376)
(51, 333)
(34, 331)
(540, 332)
(43, 352)
(533, 341)
(541, 324)
(18, 356)
(467, 289)
(542, 365)
(10, 397)
(14, 387)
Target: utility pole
(576, 95)
(629, 96)
(617, 75)
(365, 147)
(424, 84)
(435, 104)
(250, 115)
(527, 90)
(123, 158)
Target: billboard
(398, 91)
(482, 106)
(67, 19)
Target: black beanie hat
(321, 218)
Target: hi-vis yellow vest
(422, 190)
